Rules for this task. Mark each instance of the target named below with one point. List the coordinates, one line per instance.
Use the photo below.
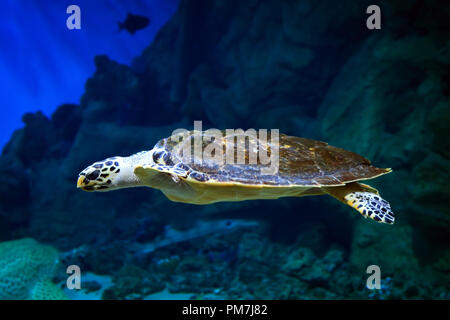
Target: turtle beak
(81, 184)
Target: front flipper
(365, 199)
(167, 179)
(155, 175)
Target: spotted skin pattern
(165, 162)
(371, 205)
(101, 172)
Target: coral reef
(26, 271)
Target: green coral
(45, 289)
(26, 268)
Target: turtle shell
(301, 161)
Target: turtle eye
(93, 175)
(157, 155)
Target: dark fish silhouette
(133, 23)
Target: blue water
(309, 68)
(44, 64)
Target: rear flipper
(365, 199)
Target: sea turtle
(304, 167)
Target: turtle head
(106, 175)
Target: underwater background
(309, 68)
